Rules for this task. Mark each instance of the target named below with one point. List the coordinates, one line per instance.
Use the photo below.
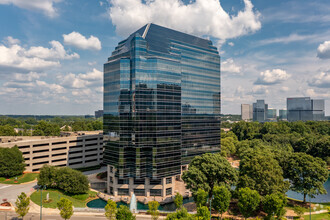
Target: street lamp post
(210, 199)
(310, 206)
(41, 188)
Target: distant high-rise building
(271, 114)
(161, 109)
(246, 112)
(98, 113)
(305, 109)
(260, 111)
(283, 115)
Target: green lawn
(27, 177)
(55, 196)
(322, 216)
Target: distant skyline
(52, 51)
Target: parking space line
(3, 187)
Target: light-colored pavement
(12, 216)
(11, 191)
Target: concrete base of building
(145, 189)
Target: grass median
(79, 201)
(24, 178)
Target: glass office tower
(305, 109)
(260, 111)
(161, 109)
(283, 115)
(271, 114)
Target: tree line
(47, 126)
(281, 138)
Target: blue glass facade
(305, 109)
(260, 111)
(161, 103)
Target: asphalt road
(12, 216)
(11, 191)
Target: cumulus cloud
(51, 86)
(78, 81)
(14, 57)
(270, 77)
(200, 17)
(34, 85)
(33, 58)
(10, 40)
(321, 80)
(57, 51)
(315, 94)
(323, 51)
(79, 41)
(46, 6)
(31, 76)
(259, 90)
(229, 66)
(231, 44)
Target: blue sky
(52, 51)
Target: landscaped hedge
(64, 178)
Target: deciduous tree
(65, 207)
(180, 214)
(221, 199)
(207, 171)
(248, 201)
(178, 200)
(203, 213)
(22, 205)
(200, 197)
(110, 210)
(123, 213)
(273, 204)
(261, 172)
(306, 173)
(12, 162)
(153, 209)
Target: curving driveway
(11, 191)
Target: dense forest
(51, 126)
(278, 138)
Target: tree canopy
(65, 207)
(22, 205)
(261, 172)
(64, 178)
(200, 197)
(178, 200)
(273, 204)
(248, 201)
(123, 213)
(12, 162)
(306, 173)
(208, 170)
(221, 199)
(110, 210)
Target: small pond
(99, 203)
(318, 199)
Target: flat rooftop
(9, 139)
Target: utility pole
(41, 188)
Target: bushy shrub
(12, 162)
(66, 179)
